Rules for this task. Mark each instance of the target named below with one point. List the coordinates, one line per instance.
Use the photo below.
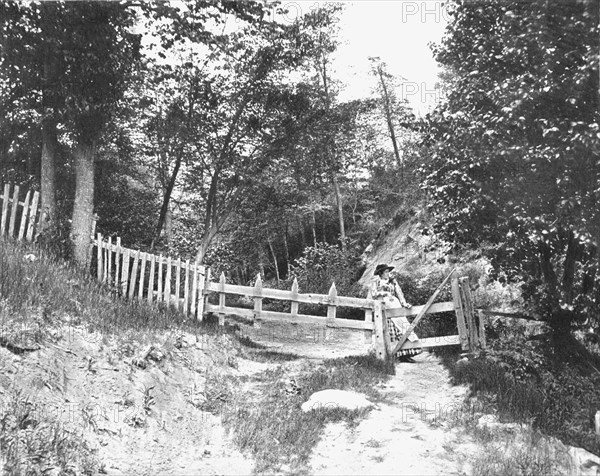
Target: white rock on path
(331, 399)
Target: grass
(55, 294)
(275, 430)
(522, 381)
(35, 443)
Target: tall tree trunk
(274, 256)
(313, 224)
(388, 116)
(286, 249)
(83, 208)
(48, 175)
(302, 233)
(166, 199)
(340, 209)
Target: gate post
(382, 335)
(460, 316)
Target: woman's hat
(381, 268)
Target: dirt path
(410, 433)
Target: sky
(397, 31)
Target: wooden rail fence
(186, 286)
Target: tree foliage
(514, 168)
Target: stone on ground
(332, 398)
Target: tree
(514, 149)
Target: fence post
(5, 199)
(368, 334)
(331, 307)
(258, 286)
(382, 336)
(24, 214)
(221, 299)
(201, 289)
(194, 289)
(32, 215)
(109, 264)
(482, 341)
(13, 214)
(294, 298)
(460, 316)
(467, 305)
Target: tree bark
(313, 224)
(274, 256)
(166, 199)
(340, 209)
(286, 249)
(388, 115)
(83, 208)
(48, 175)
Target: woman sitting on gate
(387, 290)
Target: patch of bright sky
(399, 33)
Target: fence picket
(32, 214)
(5, 199)
(124, 271)
(194, 289)
(222, 299)
(168, 284)
(201, 288)
(99, 257)
(186, 291)
(13, 214)
(134, 272)
(177, 283)
(151, 278)
(105, 261)
(142, 278)
(24, 214)
(160, 278)
(117, 262)
(109, 264)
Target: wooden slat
(421, 314)
(286, 295)
(13, 213)
(109, 250)
(168, 284)
(5, 199)
(118, 252)
(177, 282)
(434, 308)
(186, 291)
(142, 278)
(105, 261)
(159, 284)
(134, 273)
(125, 271)
(482, 340)
(286, 317)
(222, 299)
(469, 313)
(32, 215)
(24, 215)
(99, 257)
(151, 278)
(201, 287)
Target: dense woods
(214, 131)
